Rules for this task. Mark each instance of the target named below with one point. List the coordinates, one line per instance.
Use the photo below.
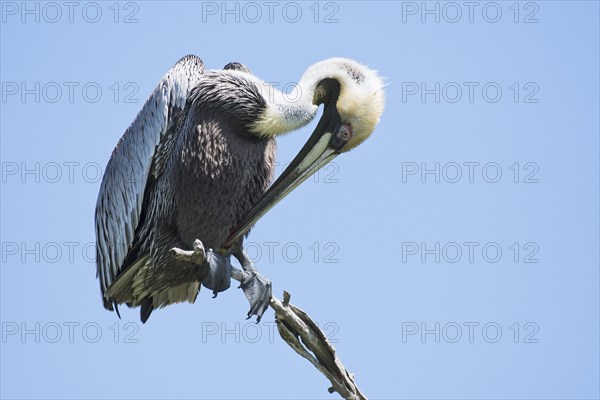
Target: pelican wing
(121, 197)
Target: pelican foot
(258, 292)
(256, 287)
(216, 272)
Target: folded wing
(121, 197)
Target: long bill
(321, 147)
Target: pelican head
(357, 94)
(353, 99)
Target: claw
(258, 291)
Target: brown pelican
(193, 171)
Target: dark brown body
(220, 170)
(207, 172)
(224, 171)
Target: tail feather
(146, 309)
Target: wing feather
(121, 197)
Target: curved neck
(286, 112)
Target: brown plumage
(206, 157)
(197, 163)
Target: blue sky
(452, 255)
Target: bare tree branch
(304, 336)
(297, 329)
(196, 256)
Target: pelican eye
(345, 132)
(341, 136)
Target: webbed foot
(215, 268)
(216, 274)
(258, 291)
(255, 286)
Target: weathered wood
(196, 256)
(298, 330)
(301, 333)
